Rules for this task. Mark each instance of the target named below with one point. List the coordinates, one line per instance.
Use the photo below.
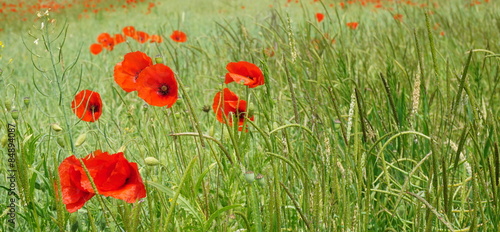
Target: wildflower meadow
(237, 115)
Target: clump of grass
(390, 126)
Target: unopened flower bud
(56, 127)
(60, 141)
(250, 177)
(206, 108)
(151, 161)
(4, 140)
(121, 149)
(81, 139)
(8, 104)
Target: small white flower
(36, 41)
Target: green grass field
(391, 126)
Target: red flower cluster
(87, 105)
(106, 41)
(155, 84)
(352, 25)
(112, 175)
(226, 105)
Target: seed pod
(15, 114)
(81, 139)
(151, 161)
(250, 177)
(159, 59)
(260, 180)
(26, 101)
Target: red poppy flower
(112, 175)
(127, 71)
(226, 105)
(129, 31)
(352, 25)
(87, 105)
(398, 17)
(156, 39)
(119, 39)
(106, 41)
(178, 36)
(157, 86)
(320, 17)
(244, 72)
(74, 195)
(95, 49)
(141, 37)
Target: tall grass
(391, 127)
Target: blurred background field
(388, 126)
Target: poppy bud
(26, 101)
(151, 161)
(159, 59)
(4, 140)
(250, 177)
(81, 139)
(260, 180)
(211, 131)
(8, 104)
(60, 141)
(56, 127)
(15, 114)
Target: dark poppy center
(94, 108)
(163, 90)
(240, 114)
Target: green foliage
(391, 126)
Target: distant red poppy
(95, 49)
(398, 17)
(157, 85)
(112, 175)
(226, 105)
(87, 105)
(127, 71)
(119, 39)
(141, 37)
(178, 36)
(244, 72)
(106, 41)
(129, 31)
(352, 25)
(320, 17)
(74, 195)
(156, 39)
